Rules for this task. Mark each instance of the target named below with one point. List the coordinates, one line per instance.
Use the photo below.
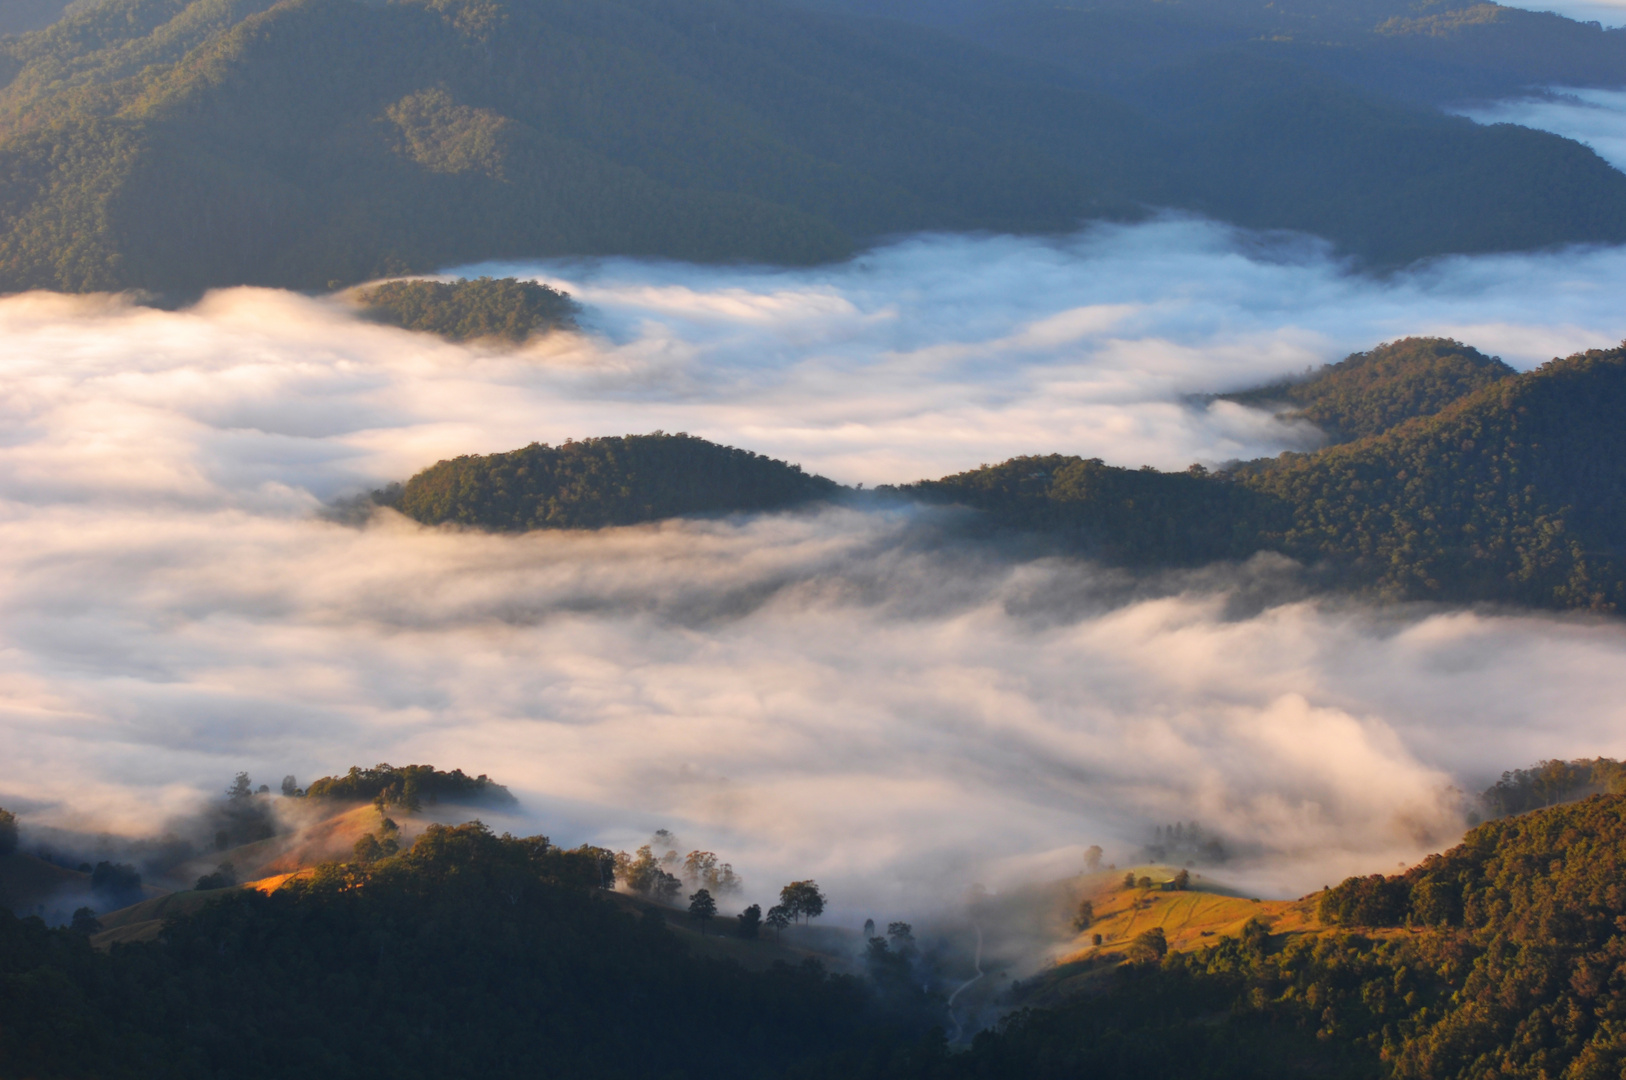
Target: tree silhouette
(802, 899)
(702, 908)
(241, 787)
(778, 918)
(750, 921)
(1092, 858)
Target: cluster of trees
(1179, 883)
(451, 957)
(597, 482)
(502, 308)
(407, 786)
(1514, 493)
(1552, 782)
(1185, 842)
(179, 145)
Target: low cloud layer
(1594, 117)
(858, 695)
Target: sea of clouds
(859, 693)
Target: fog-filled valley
(885, 539)
(869, 691)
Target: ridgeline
(1514, 492)
(175, 145)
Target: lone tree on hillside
(1149, 946)
(8, 832)
(1129, 880)
(702, 908)
(750, 921)
(1085, 915)
(778, 918)
(241, 787)
(1092, 858)
(802, 900)
(1182, 880)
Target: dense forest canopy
(471, 955)
(1553, 782)
(1514, 493)
(1369, 393)
(598, 482)
(172, 145)
(464, 310)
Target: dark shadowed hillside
(598, 482)
(470, 955)
(176, 144)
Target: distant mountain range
(173, 145)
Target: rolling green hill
(173, 145)
(598, 482)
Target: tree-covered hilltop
(471, 955)
(597, 482)
(1551, 782)
(173, 145)
(464, 310)
(410, 786)
(1370, 392)
(1515, 493)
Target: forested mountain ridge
(592, 483)
(1515, 493)
(1426, 51)
(1369, 393)
(172, 145)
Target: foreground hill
(1514, 493)
(1502, 957)
(599, 482)
(173, 145)
(469, 956)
